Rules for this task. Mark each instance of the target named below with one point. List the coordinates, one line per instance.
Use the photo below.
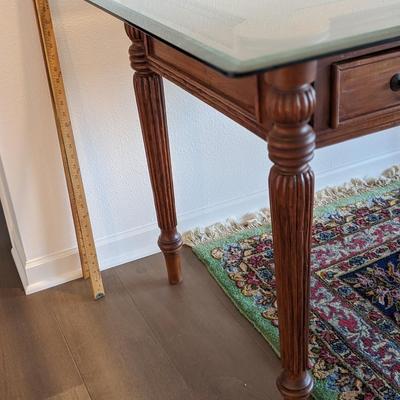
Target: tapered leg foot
(151, 105)
(171, 243)
(298, 388)
(290, 104)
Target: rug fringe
(263, 216)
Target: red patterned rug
(355, 295)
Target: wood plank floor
(145, 341)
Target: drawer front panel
(363, 86)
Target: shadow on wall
(38, 138)
(9, 278)
(85, 68)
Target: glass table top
(240, 37)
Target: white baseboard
(52, 270)
(366, 168)
(61, 267)
(55, 269)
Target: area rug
(355, 285)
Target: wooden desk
(345, 95)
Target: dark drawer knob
(395, 83)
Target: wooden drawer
(362, 86)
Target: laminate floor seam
(151, 352)
(137, 287)
(154, 333)
(230, 307)
(67, 345)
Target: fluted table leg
(290, 103)
(151, 104)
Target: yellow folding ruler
(80, 213)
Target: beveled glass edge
(232, 67)
(180, 41)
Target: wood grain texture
(35, 360)
(243, 99)
(217, 351)
(76, 393)
(114, 349)
(362, 87)
(145, 340)
(151, 104)
(327, 133)
(237, 98)
(239, 92)
(290, 103)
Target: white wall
(220, 169)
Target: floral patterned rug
(355, 291)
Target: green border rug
(355, 297)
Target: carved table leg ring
(150, 101)
(290, 103)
